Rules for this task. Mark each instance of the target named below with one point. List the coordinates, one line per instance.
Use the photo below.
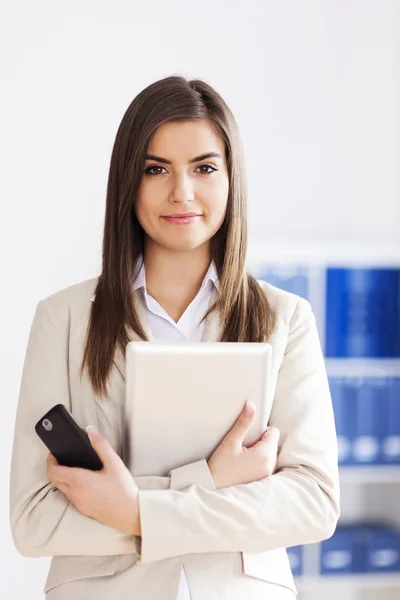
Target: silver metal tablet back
(181, 398)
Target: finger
(55, 480)
(55, 471)
(62, 474)
(269, 440)
(242, 425)
(65, 489)
(272, 434)
(102, 447)
(51, 459)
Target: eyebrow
(193, 160)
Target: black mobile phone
(66, 440)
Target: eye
(207, 167)
(149, 170)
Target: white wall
(315, 89)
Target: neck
(176, 274)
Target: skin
(109, 496)
(177, 257)
(176, 260)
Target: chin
(182, 245)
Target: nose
(182, 190)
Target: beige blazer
(231, 541)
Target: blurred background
(314, 87)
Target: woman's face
(179, 177)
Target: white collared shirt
(163, 328)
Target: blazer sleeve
(43, 521)
(299, 504)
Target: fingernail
(91, 429)
(250, 407)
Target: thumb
(101, 446)
(242, 425)
(272, 434)
(268, 440)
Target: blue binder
(344, 408)
(338, 553)
(383, 551)
(391, 438)
(361, 548)
(295, 555)
(362, 313)
(292, 279)
(370, 421)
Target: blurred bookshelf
(367, 474)
(356, 582)
(355, 295)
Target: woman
(210, 530)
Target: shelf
(363, 367)
(300, 252)
(370, 474)
(348, 582)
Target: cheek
(145, 210)
(217, 204)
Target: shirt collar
(211, 275)
(140, 279)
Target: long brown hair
(244, 311)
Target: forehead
(184, 138)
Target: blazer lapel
(119, 356)
(211, 331)
(212, 328)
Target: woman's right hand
(233, 464)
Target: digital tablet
(182, 398)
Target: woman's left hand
(109, 496)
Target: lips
(183, 219)
(181, 215)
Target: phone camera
(47, 425)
